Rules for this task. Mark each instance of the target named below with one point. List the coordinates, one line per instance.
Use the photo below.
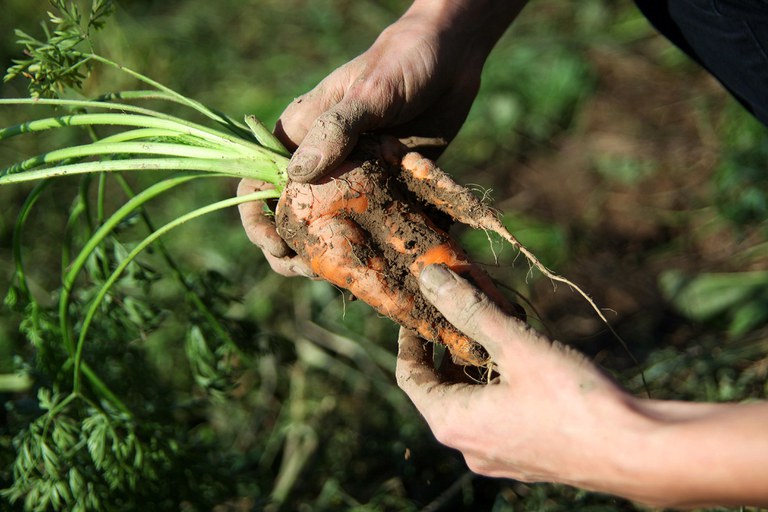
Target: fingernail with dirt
(435, 278)
(303, 165)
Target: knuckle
(333, 123)
(300, 103)
(293, 110)
(403, 366)
(402, 375)
(475, 308)
(477, 303)
(262, 234)
(283, 266)
(283, 270)
(374, 91)
(275, 245)
(334, 132)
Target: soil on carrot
(363, 230)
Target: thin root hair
(555, 278)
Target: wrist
(612, 456)
(476, 23)
(686, 454)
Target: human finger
(297, 118)
(290, 266)
(329, 140)
(261, 231)
(258, 225)
(468, 309)
(415, 371)
(444, 405)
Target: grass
(299, 410)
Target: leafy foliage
(52, 65)
(739, 298)
(86, 450)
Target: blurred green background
(619, 163)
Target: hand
(548, 415)
(418, 80)
(261, 231)
(260, 226)
(553, 416)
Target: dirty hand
(260, 228)
(552, 416)
(545, 418)
(259, 223)
(418, 80)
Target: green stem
(255, 196)
(119, 148)
(84, 202)
(26, 208)
(95, 104)
(265, 137)
(141, 120)
(150, 134)
(239, 167)
(196, 105)
(79, 218)
(236, 127)
(189, 292)
(93, 242)
(102, 389)
(141, 117)
(100, 195)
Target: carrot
(363, 231)
(434, 186)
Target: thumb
(470, 310)
(329, 141)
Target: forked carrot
(362, 231)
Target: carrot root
(436, 187)
(361, 232)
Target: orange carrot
(433, 186)
(361, 230)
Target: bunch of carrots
(370, 228)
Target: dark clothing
(729, 38)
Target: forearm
(479, 23)
(688, 454)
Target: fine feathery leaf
(97, 238)
(95, 304)
(55, 64)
